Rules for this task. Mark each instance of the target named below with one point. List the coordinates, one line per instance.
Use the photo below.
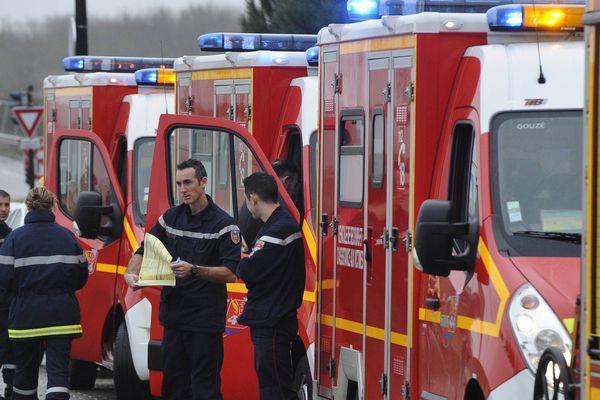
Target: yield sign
(28, 117)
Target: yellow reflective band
(474, 324)
(241, 288)
(310, 241)
(371, 331)
(111, 268)
(48, 331)
(222, 74)
(569, 324)
(133, 243)
(390, 43)
(236, 288)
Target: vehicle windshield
(538, 174)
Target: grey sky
(23, 10)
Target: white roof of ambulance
(509, 63)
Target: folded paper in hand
(156, 264)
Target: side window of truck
(142, 168)
(351, 167)
(462, 188)
(377, 157)
(81, 168)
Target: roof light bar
(544, 17)
(114, 64)
(255, 41)
(362, 9)
(155, 77)
(312, 56)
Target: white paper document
(156, 264)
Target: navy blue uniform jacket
(208, 238)
(274, 272)
(41, 267)
(5, 299)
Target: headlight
(536, 326)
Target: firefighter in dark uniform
(41, 266)
(8, 365)
(206, 241)
(274, 275)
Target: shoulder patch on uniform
(235, 236)
(257, 246)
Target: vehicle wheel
(303, 380)
(127, 384)
(82, 375)
(553, 378)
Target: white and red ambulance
(449, 200)
(99, 133)
(264, 84)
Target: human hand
(181, 269)
(131, 280)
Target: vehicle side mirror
(437, 237)
(88, 215)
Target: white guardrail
(22, 142)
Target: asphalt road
(104, 389)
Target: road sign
(33, 143)
(28, 118)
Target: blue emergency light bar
(255, 41)
(312, 56)
(114, 64)
(371, 9)
(155, 77)
(363, 9)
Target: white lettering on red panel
(348, 256)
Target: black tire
(82, 375)
(127, 384)
(553, 362)
(303, 380)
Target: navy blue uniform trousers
(273, 359)
(192, 364)
(6, 356)
(28, 354)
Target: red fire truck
(261, 83)
(99, 135)
(449, 200)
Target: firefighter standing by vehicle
(288, 175)
(8, 366)
(206, 241)
(41, 267)
(274, 275)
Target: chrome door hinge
(337, 83)
(387, 92)
(383, 383)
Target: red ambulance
(449, 199)
(262, 83)
(99, 132)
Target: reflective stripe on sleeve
(49, 331)
(46, 260)
(196, 235)
(8, 260)
(281, 242)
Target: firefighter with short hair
(274, 275)
(41, 267)
(206, 243)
